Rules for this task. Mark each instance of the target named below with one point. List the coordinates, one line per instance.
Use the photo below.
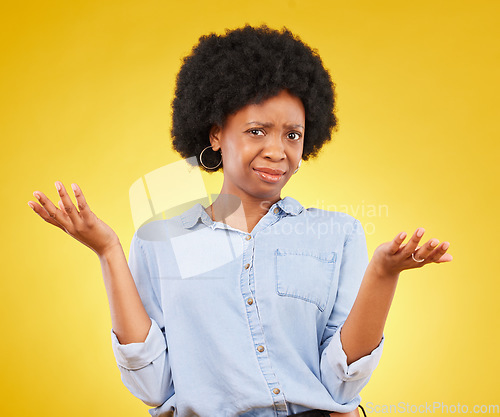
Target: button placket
(281, 407)
(279, 401)
(248, 250)
(256, 327)
(271, 217)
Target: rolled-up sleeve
(144, 367)
(343, 381)
(359, 369)
(134, 356)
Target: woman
(253, 306)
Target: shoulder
(157, 234)
(334, 217)
(161, 230)
(294, 207)
(337, 225)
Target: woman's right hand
(82, 224)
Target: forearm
(364, 326)
(129, 319)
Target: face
(268, 136)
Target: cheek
(237, 154)
(294, 153)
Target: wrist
(380, 272)
(110, 251)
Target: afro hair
(224, 73)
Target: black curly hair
(224, 73)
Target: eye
(256, 132)
(294, 135)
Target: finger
(425, 250)
(438, 253)
(38, 209)
(445, 258)
(71, 226)
(52, 211)
(67, 205)
(413, 243)
(83, 207)
(396, 242)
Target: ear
(214, 136)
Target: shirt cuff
(361, 368)
(133, 356)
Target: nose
(274, 148)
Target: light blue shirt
(247, 324)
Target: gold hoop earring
(298, 167)
(210, 146)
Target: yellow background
(85, 91)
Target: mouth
(272, 178)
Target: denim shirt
(247, 324)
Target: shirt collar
(190, 217)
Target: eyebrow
(272, 124)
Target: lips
(270, 171)
(269, 175)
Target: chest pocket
(305, 274)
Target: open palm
(81, 223)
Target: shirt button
(276, 391)
(260, 348)
(247, 266)
(276, 210)
(250, 301)
(248, 237)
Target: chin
(268, 190)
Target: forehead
(284, 107)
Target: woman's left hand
(392, 257)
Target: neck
(241, 214)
